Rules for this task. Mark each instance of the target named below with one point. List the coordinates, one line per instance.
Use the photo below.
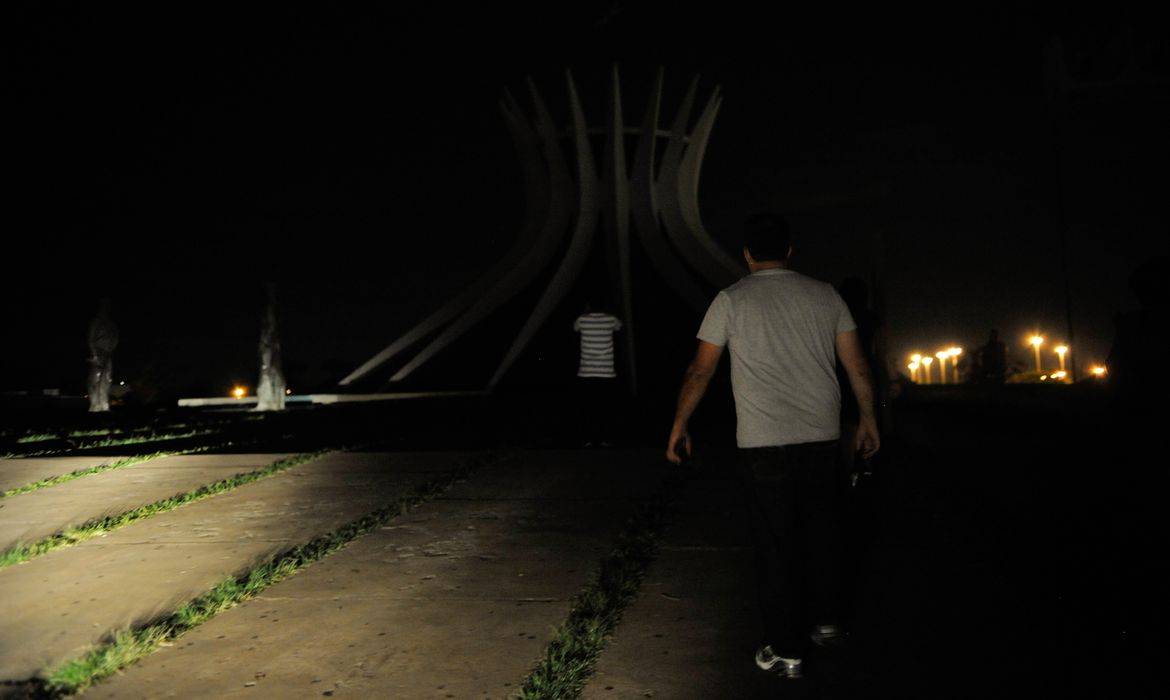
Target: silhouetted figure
(103, 340)
(596, 376)
(1138, 354)
(993, 360)
(270, 389)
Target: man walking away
(596, 375)
(785, 332)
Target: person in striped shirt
(596, 375)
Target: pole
(1061, 222)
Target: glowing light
(942, 356)
(288, 392)
(1043, 377)
(1036, 341)
(239, 392)
(926, 362)
(954, 352)
(916, 357)
(1059, 374)
(1098, 371)
(1060, 352)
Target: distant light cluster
(920, 365)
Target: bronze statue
(103, 339)
(270, 389)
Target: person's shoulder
(737, 287)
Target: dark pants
(599, 408)
(796, 495)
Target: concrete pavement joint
(100, 526)
(112, 442)
(129, 645)
(109, 466)
(571, 655)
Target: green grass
(127, 646)
(89, 471)
(571, 655)
(99, 526)
(113, 442)
(38, 437)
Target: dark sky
(177, 161)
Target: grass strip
(109, 466)
(100, 526)
(112, 442)
(38, 437)
(129, 645)
(571, 655)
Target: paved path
(695, 625)
(456, 600)
(18, 471)
(31, 516)
(55, 606)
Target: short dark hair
(765, 235)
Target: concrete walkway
(456, 600)
(55, 606)
(695, 625)
(18, 471)
(31, 516)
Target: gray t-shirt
(782, 329)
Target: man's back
(781, 328)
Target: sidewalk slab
(18, 471)
(456, 600)
(30, 516)
(694, 628)
(58, 604)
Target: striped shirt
(596, 331)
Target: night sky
(176, 162)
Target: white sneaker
(828, 636)
(786, 668)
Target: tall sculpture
(270, 389)
(103, 340)
(566, 197)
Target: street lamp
(926, 360)
(1060, 352)
(913, 367)
(239, 392)
(942, 356)
(1098, 371)
(1036, 341)
(954, 353)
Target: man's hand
(694, 385)
(679, 443)
(867, 441)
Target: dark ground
(1008, 539)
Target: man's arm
(857, 368)
(694, 385)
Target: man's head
(766, 240)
